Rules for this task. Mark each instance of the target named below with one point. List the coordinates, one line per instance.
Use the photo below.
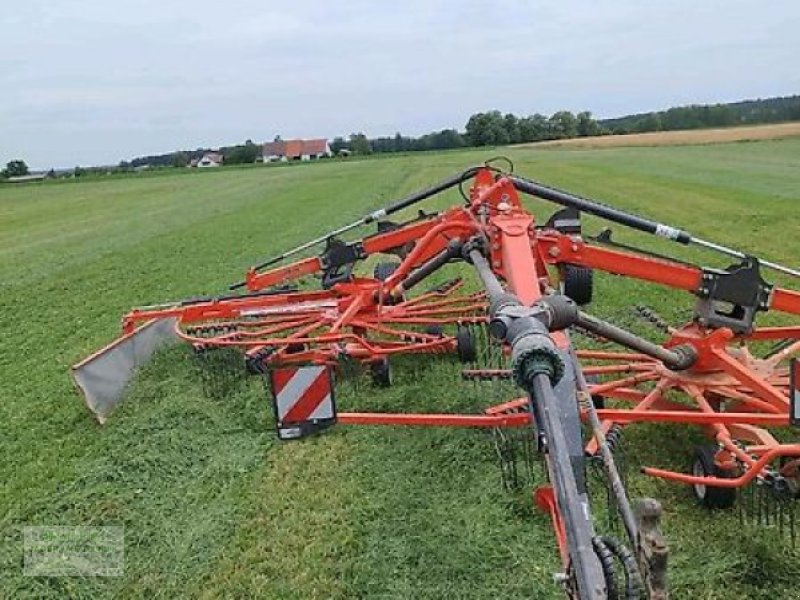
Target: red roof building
(283, 150)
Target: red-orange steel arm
(786, 301)
(435, 419)
(735, 482)
(373, 244)
(433, 242)
(690, 417)
(398, 237)
(259, 281)
(561, 248)
(230, 308)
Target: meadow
(213, 505)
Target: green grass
(212, 505)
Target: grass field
(212, 505)
(746, 133)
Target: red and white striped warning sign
(302, 394)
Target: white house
(210, 159)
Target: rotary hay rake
(516, 330)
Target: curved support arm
(736, 482)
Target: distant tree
(587, 126)
(721, 115)
(511, 125)
(338, 144)
(79, 172)
(401, 144)
(383, 144)
(359, 144)
(449, 138)
(533, 128)
(563, 124)
(180, 159)
(15, 168)
(650, 122)
(439, 140)
(243, 154)
(487, 129)
(476, 128)
(251, 151)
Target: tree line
(493, 128)
(702, 116)
(490, 128)
(237, 154)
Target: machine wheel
(598, 400)
(577, 283)
(436, 330)
(465, 345)
(704, 466)
(384, 270)
(381, 373)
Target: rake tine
(529, 456)
(530, 441)
(500, 449)
(513, 462)
(766, 506)
(759, 496)
(512, 455)
(474, 335)
(742, 499)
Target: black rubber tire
(465, 345)
(383, 270)
(436, 330)
(606, 559)
(598, 400)
(704, 465)
(577, 283)
(381, 372)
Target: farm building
(210, 159)
(283, 150)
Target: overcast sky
(97, 81)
